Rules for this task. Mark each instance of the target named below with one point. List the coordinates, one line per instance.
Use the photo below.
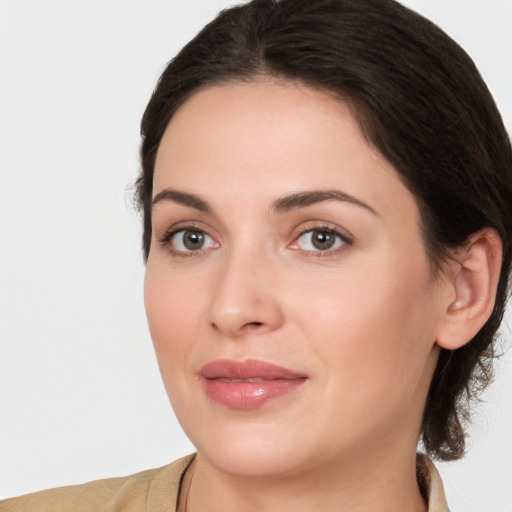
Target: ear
(473, 284)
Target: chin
(249, 449)
(251, 460)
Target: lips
(247, 384)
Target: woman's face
(290, 300)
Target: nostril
(250, 325)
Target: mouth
(248, 384)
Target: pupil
(323, 240)
(193, 240)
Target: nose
(245, 298)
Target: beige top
(156, 490)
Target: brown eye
(320, 240)
(189, 240)
(193, 240)
(323, 240)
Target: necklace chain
(185, 508)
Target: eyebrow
(310, 197)
(281, 205)
(183, 198)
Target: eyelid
(193, 225)
(346, 237)
(167, 236)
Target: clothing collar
(431, 484)
(165, 486)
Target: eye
(189, 240)
(319, 240)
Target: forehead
(273, 138)
(254, 120)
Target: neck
(355, 484)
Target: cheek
(173, 312)
(375, 328)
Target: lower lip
(249, 395)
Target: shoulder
(154, 489)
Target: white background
(80, 393)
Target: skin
(360, 320)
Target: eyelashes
(187, 241)
(312, 240)
(192, 240)
(320, 240)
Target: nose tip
(244, 302)
(236, 323)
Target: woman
(327, 200)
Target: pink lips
(247, 384)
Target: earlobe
(474, 288)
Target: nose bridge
(244, 298)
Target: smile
(247, 384)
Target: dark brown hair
(418, 99)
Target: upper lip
(247, 369)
